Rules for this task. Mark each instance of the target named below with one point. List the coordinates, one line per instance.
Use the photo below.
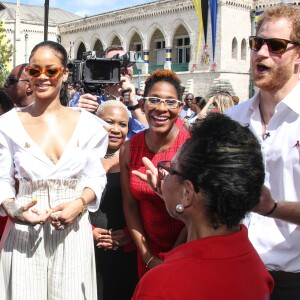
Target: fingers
(57, 208)
(106, 242)
(30, 204)
(88, 102)
(56, 221)
(149, 165)
(140, 175)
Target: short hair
(112, 48)
(283, 11)
(163, 75)
(186, 95)
(224, 162)
(110, 103)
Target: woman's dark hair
(63, 55)
(201, 102)
(224, 162)
(5, 102)
(163, 75)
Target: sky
(85, 7)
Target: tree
(6, 51)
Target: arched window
(234, 49)
(243, 49)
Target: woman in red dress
(152, 229)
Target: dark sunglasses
(12, 81)
(50, 72)
(277, 46)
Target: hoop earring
(179, 208)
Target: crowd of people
(122, 193)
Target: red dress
(161, 229)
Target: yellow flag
(198, 8)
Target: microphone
(267, 134)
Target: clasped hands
(59, 216)
(109, 239)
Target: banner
(198, 8)
(213, 15)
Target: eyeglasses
(50, 72)
(164, 168)
(12, 81)
(277, 46)
(169, 103)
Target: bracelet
(272, 210)
(84, 205)
(134, 107)
(149, 261)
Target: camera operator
(124, 89)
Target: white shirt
(277, 242)
(21, 157)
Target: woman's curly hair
(223, 160)
(163, 75)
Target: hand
(88, 102)
(151, 176)
(120, 237)
(266, 202)
(25, 215)
(65, 213)
(103, 238)
(126, 85)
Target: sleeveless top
(161, 229)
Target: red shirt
(224, 267)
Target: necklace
(265, 134)
(111, 155)
(52, 160)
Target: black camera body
(92, 72)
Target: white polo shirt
(277, 242)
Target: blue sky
(86, 7)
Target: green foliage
(6, 51)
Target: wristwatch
(134, 107)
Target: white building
(165, 33)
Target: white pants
(42, 263)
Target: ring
(61, 227)
(55, 217)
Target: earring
(179, 208)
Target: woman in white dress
(52, 153)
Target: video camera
(92, 72)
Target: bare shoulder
(124, 153)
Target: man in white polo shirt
(274, 115)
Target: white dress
(39, 262)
